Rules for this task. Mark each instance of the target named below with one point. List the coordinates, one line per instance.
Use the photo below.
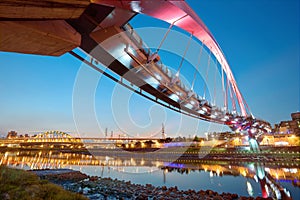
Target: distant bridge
(59, 139)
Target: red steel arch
(180, 13)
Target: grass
(23, 185)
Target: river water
(243, 178)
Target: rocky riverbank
(107, 188)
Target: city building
(289, 127)
(280, 140)
(12, 134)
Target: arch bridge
(56, 27)
(53, 139)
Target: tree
(196, 139)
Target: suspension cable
(167, 33)
(182, 58)
(197, 66)
(164, 38)
(206, 75)
(232, 98)
(226, 95)
(246, 105)
(223, 87)
(215, 84)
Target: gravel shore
(106, 188)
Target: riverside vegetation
(23, 185)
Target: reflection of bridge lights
(218, 172)
(249, 189)
(277, 193)
(255, 178)
(211, 174)
(287, 192)
(267, 190)
(166, 170)
(157, 164)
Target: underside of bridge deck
(39, 27)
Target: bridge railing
(136, 39)
(177, 86)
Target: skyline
(35, 97)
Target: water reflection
(244, 178)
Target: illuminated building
(289, 127)
(12, 134)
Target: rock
(128, 182)
(79, 190)
(5, 196)
(201, 192)
(85, 190)
(217, 197)
(234, 196)
(95, 187)
(209, 192)
(141, 197)
(93, 178)
(95, 196)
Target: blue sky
(261, 42)
(259, 38)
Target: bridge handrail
(143, 46)
(136, 38)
